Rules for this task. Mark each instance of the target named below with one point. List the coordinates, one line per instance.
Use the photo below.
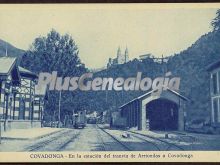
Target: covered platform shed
(164, 111)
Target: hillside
(191, 65)
(12, 51)
(111, 100)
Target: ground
(98, 138)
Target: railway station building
(214, 70)
(9, 81)
(165, 111)
(18, 95)
(24, 101)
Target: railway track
(101, 139)
(158, 144)
(115, 139)
(167, 145)
(57, 140)
(68, 141)
(41, 141)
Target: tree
(59, 53)
(216, 21)
(53, 53)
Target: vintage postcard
(110, 83)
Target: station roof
(213, 66)
(148, 93)
(26, 73)
(6, 65)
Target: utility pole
(6, 50)
(0, 132)
(59, 109)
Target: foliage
(216, 21)
(59, 53)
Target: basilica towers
(120, 59)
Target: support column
(132, 115)
(136, 114)
(181, 117)
(6, 113)
(142, 119)
(14, 97)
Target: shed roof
(213, 66)
(26, 73)
(148, 93)
(8, 66)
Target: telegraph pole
(59, 109)
(6, 50)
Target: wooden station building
(17, 106)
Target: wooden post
(6, 112)
(14, 94)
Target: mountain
(11, 50)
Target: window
(27, 105)
(26, 114)
(2, 97)
(36, 107)
(214, 83)
(1, 112)
(36, 116)
(16, 114)
(16, 103)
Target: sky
(99, 30)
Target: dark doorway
(162, 115)
(21, 109)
